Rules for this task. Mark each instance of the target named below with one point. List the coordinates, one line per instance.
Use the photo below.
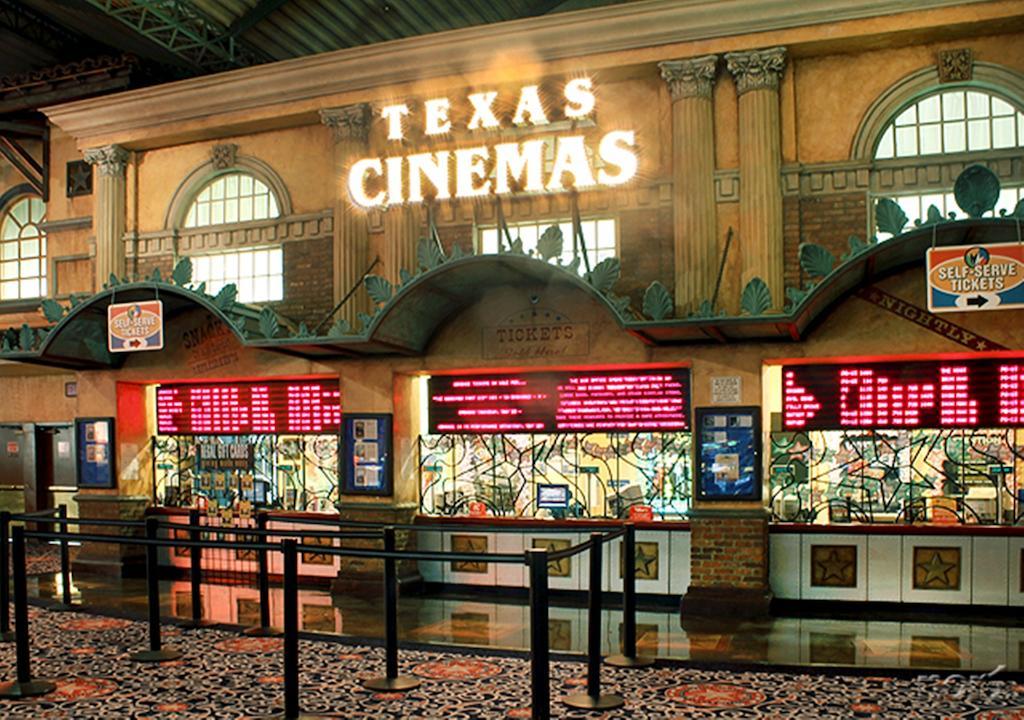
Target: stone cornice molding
(110, 159)
(292, 91)
(693, 77)
(351, 122)
(757, 69)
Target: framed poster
(728, 444)
(366, 454)
(95, 462)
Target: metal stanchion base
(162, 655)
(589, 702)
(32, 688)
(61, 608)
(263, 632)
(282, 715)
(7, 636)
(402, 683)
(624, 661)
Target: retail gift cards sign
(132, 327)
(487, 162)
(627, 400)
(984, 393)
(965, 278)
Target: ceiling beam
(181, 28)
(246, 21)
(38, 29)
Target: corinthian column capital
(757, 69)
(351, 122)
(693, 77)
(110, 159)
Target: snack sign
(132, 327)
(965, 278)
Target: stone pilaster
(402, 231)
(757, 74)
(690, 84)
(109, 210)
(350, 126)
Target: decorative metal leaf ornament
(550, 243)
(53, 311)
(457, 252)
(200, 289)
(404, 276)
(795, 296)
(26, 337)
(112, 281)
(225, 299)
(658, 303)
(976, 190)
(155, 276)
(364, 320)
(932, 217)
(704, 310)
(756, 298)
(517, 246)
(303, 331)
(815, 260)
(857, 246)
(428, 254)
(182, 273)
(1018, 211)
(605, 274)
(340, 328)
(268, 323)
(378, 288)
(889, 216)
(621, 304)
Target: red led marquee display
(927, 394)
(571, 401)
(280, 406)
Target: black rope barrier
(24, 686)
(540, 652)
(195, 569)
(263, 574)
(156, 651)
(628, 657)
(391, 681)
(6, 634)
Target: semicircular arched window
(23, 250)
(960, 120)
(234, 197)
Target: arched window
(232, 198)
(952, 121)
(23, 250)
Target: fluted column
(757, 76)
(402, 232)
(109, 210)
(350, 126)
(691, 83)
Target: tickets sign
(965, 278)
(132, 327)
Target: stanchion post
(540, 681)
(593, 699)
(264, 630)
(195, 571)
(392, 681)
(291, 629)
(628, 657)
(65, 556)
(24, 686)
(155, 653)
(6, 634)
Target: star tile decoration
(937, 568)
(646, 561)
(556, 568)
(79, 178)
(834, 566)
(469, 544)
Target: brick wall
(826, 220)
(646, 252)
(729, 552)
(308, 281)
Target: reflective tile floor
(503, 623)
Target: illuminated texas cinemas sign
(971, 393)
(480, 169)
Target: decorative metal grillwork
(898, 476)
(299, 472)
(605, 473)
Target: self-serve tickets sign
(964, 278)
(132, 327)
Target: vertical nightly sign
(276, 407)
(570, 401)
(926, 394)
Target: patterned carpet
(224, 675)
(44, 559)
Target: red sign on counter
(584, 401)
(926, 394)
(277, 407)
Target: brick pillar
(728, 564)
(109, 210)
(690, 83)
(351, 127)
(757, 76)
